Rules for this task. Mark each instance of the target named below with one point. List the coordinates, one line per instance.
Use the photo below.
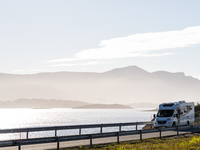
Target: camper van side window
(181, 111)
(190, 107)
(185, 110)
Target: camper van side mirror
(175, 115)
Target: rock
(148, 126)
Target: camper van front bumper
(159, 123)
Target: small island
(104, 106)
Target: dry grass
(186, 142)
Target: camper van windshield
(165, 113)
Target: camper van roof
(170, 105)
(181, 102)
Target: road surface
(49, 146)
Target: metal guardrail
(59, 139)
(80, 127)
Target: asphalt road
(100, 140)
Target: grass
(183, 142)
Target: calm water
(20, 118)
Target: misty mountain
(122, 85)
(41, 103)
(103, 106)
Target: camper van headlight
(169, 119)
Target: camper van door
(183, 117)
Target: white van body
(175, 114)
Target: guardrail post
(27, 135)
(19, 145)
(120, 128)
(101, 130)
(160, 133)
(136, 127)
(141, 135)
(117, 137)
(58, 144)
(80, 131)
(91, 140)
(177, 131)
(55, 133)
(192, 129)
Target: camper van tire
(174, 124)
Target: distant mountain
(103, 106)
(144, 105)
(41, 103)
(122, 85)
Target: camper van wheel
(188, 123)
(174, 124)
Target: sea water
(24, 118)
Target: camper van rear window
(168, 104)
(165, 113)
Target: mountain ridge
(121, 85)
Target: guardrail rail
(58, 139)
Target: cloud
(198, 77)
(29, 70)
(155, 55)
(139, 45)
(79, 64)
(64, 60)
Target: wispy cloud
(138, 45)
(64, 60)
(29, 70)
(79, 64)
(198, 77)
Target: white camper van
(175, 114)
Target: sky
(99, 35)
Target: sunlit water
(22, 118)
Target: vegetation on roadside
(186, 142)
(197, 110)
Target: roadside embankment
(183, 142)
